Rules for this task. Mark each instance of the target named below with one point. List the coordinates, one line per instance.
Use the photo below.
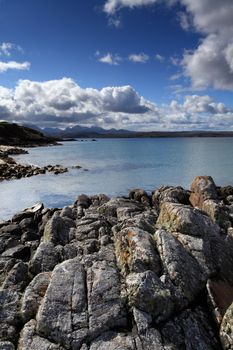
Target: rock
(226, 330)
(192, 329)
(185, 219)
(202, 188)
(170, 194)
(147, 293)
(33, 295)
(19, 252)
(113, 341)
(83, 201)
(45, 258)
(135, 251)
(105, 305)
(140, 196)
(8, 314)
(29, 340)
(181, 267)
(63, 316)
(110, 208)
(6, 345)
(17, 278)
(57, 229)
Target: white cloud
(159, 57)
(211, 63)
(139, 58)
(6, 48)
(63, 102)
(5, 66)
(112, 6)
(111, 59)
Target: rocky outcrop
(147, 272)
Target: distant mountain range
(95, 132)
(79, 131)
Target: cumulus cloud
(63, 102)
(139, 58)
(111, 59)
(5, 66)
(211, 63)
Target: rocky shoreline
(143, 272)
(10, 169)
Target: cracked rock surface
(143, 272)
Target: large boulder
(136, 251)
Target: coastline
(148, 268)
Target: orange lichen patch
(131, 234)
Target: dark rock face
(148, 272)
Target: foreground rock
(147, 272)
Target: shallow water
(115, 166)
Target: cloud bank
(63, 102)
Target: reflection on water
(115, 166)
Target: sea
(114, 166)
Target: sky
(132, 64)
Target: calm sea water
(115, 166)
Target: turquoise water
(115, 166)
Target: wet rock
(140, 196)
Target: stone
(57, 229)
(185, 219)
(6, 345)
(170, 194)
(181, 267)
(226, 329)
(45, 258)
(106, 306)
(17, 278)
(29, 340)
(63, 317)
(113, 341)
(33, 295)
(84, 201)
(202, 188)
(19, 252)
(136, 251)
(147, 293)
(110, 208)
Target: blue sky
(147, 64)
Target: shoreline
(155, 269)
(11, 170)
